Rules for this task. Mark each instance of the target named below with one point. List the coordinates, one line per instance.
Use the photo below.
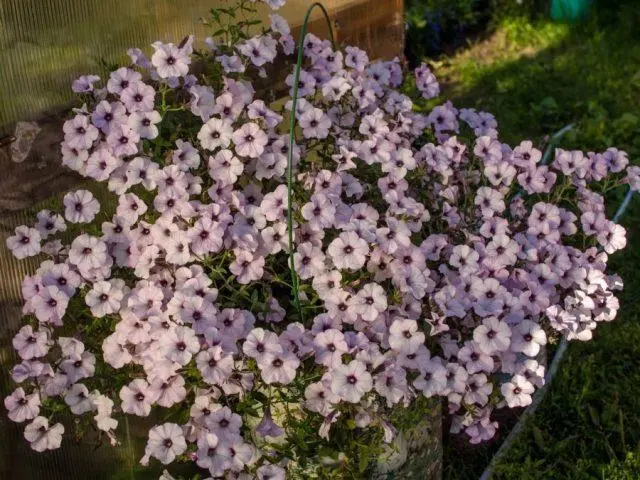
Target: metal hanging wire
(292, 139)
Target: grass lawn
(536, 77)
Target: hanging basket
(353, 385)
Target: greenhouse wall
(45, 44)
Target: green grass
(536, 77)
(628, 469)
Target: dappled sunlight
(537, 78)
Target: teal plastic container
(569, 10)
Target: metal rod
(292, 138)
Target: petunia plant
(431, 260)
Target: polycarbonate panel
(45, 44)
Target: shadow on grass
(587, 72)
(536, 78)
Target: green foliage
(587, 420)
(435, 27)
(232, 24)
(461, 11)
(502, 10)
(434, 22)
(628, 469)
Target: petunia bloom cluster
(434, 260)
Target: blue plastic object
(569, 10)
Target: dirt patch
(40, 175)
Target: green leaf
(595, 418)
(215, 15)
(539, 439)
(261, 397)
(364, 460)
(328, 453)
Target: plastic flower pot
(569, 10)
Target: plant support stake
(292, 139)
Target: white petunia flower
(165, 443)
(41, 436)
(22, 406)
(80, 206)
(351, 382)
